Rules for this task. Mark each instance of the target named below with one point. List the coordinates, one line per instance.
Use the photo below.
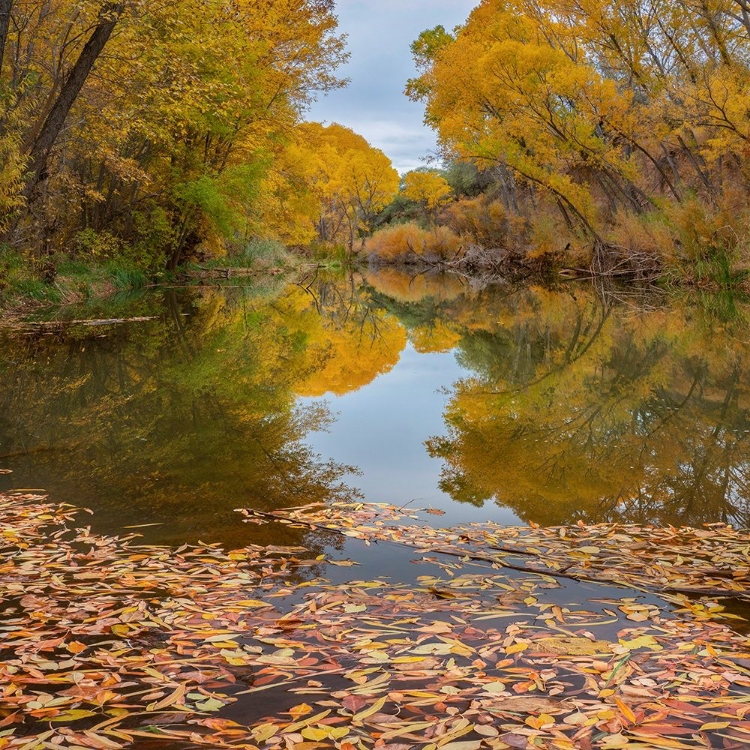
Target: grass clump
(258, 254)
(19, 282)
(62, 279)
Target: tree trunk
(745, 13)
(53, 124)
(5, 8)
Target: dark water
(502, 403)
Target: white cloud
(374, 104)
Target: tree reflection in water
(573, 405)
(578, 408)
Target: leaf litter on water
(106, 644)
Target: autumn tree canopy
(600, 110)
(158, 132)
(159, 128)
(330, 186)
(428, 188)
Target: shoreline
(18, 306)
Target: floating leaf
(75, 714)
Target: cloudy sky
(374, 105)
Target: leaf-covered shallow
(709, 561)
(106, 643)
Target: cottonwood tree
(601, 108)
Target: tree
(54, 120)
(351, 181)
(6, 6)
(599, 108)
(428, 188)
(157, 123)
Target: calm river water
(502, 403)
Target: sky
(395, 464)
(379, 34)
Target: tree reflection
(182, 419)
(351, 340)
(583, 410)
(574, 406)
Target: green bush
(255, 253)
(96, 245)
(19, 280)
(154, 237)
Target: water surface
(495, 403)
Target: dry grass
(410, 243)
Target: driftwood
(37, 449)
(54, 325)
(205, 272)
(492, 263)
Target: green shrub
(153, 240)
(96, 245)
(255, 253)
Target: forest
(583, 136)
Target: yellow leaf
(714, 725)
(516, 647)
(169, 700)
(643, 641)
(73, 715)
(626, 711)
(313, 733)
(373, 709)
(573, 646)
(264, 732)
(251, 603)
(301, 710)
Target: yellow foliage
(427, 188)
(643, 234)
(330, 184)
(604, 107)
(183, 116)
(409, 287)
(438, 337)
(481, 220)
(12, 162)
(701, 228)
(348, 357)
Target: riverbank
(25, 287)
(712, 275)
(24, 297)
(22, 301)
(111, 642)
(23, 291)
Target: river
(506, 403)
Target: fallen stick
(84, 322)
